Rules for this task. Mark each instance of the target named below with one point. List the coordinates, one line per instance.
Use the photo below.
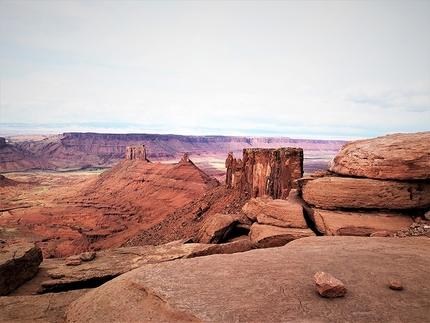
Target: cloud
(411, 97)
(262, 67)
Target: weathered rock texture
(357, 193)
(18, 264)
(329, 286)
(37, 308)
(277, 212)
(276, 222)
(216, 229)
(269, 172)
(401, 156)
(268, 236)
(341, 223)
(114, 262)
(271, 285)
(373, 176)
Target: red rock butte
(269, 172)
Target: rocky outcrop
(271, 285)
(18, 264)
(396, 167)
(216, 228)
(276, 222)
(343, 223)
(270, 172)
(401, 156)
(333, 192)
(269, 236)
(277, 212)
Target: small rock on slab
(329, 286)
(87, 256)
(395, 285)
(73, 261)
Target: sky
(300, 69)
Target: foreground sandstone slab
(114, 262)
(400, 156)
(37, 308)
(272, 285)
(338, 223)
(18, 264)
(348, 192)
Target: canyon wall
(81, 150)
(269, 172)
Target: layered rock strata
(393, 185)
(270, 172)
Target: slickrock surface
(347, 192)
(400, 156)
(114, 262)
(272, 285)
(47, 308)
(18, 264)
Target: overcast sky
(315, 69)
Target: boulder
(356, 193)
(401, 156)
(277, 212)
(216, 229)
(18, 264)
(271, 285)
(338, 223)
(329, 286)
(267, 236)
(254, 206)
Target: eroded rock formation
(136, 152)
(400, 156)
(393, 187)
(270, 172)
(18, 264)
